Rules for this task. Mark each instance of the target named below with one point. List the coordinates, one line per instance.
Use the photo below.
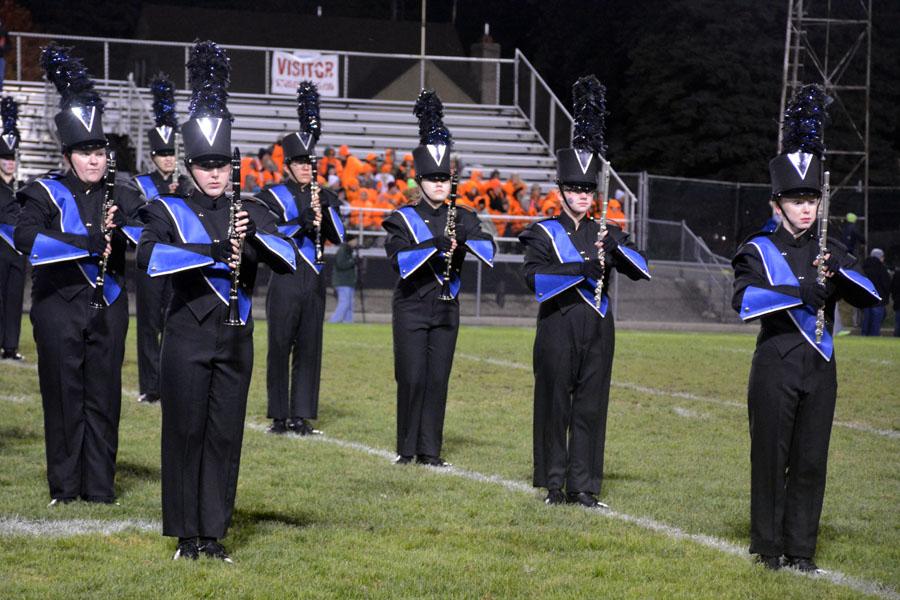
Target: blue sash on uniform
(291, 212)
(6, 234)
(548, 286)
(410, 260)
(148, 188)
(167, 259)
(48, 250)
(757, 302)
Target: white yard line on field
(15, 525)
(861, 585)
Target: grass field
(320, 519)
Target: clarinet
(601, 252)
(823, 241)
(316, 206)
(450, 232)
(98, 301)
(234, 207)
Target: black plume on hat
(70, 77)
(430, 113)
(589, 107)
(9, 113)
(209, 73)
(803, 128)
(163, 91)
(308, 109)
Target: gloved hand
(308, 220)
(221, 251)
(442, 243)
(832, 263)
(813, 294)
(591, 269)
(461, 237)
(96, 243)
(251, 228)
(119, 218)
(609, 244)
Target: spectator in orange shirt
(250, 177)
(614, 212)
(278, 156)
(330, 160)
(406, 170)
(394, 195)
(269, 173)
(387, 165)
(514, 186)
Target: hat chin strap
(787, 220)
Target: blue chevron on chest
(779, 273)
(191, 230)
(48, 250)
(547, 286)
(413, 258)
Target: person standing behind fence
(425, 303)
(343, 279)
(295, 304)
(792, 387)
(575, 338)
(873, 316)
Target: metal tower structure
(830, 42)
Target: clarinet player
(201, 241)
(793, 385)
(419, 244)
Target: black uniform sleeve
(843, 285)
(539, 257)
(158, 227)
(37, 217)
(267, 199)
(399, 239)
(618, 260)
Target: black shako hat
(9, 115)
(580, 164)
(432, 155)
(207, 133)
(799, 168)
(162, 135)
(302, 143)
(79, 123)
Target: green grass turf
(317, 520)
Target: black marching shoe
(585, 499)
(555, 496)
(278, 427)
(432, 461)
(302, 427)
(403, 460)
(773, 563)
(213, 549)
(801, 563)
(148, 398)
(12, 355)
(60, 501)
(187, 549)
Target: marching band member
(295, 304)
(210, 250)
(793, 386)
(427, 244)
(12, 262)
(65, 228)
(575, 340)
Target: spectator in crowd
(269, 174)
(406, 170)
(343, 279)
(614, 212)
(874, 269)
(331, 178)
(353, 167)
(850, 234)
(329, 160)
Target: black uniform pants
(295, 308)
(80, 352)
(573, 356)
(791, 404)
(205, 373)
(152, 301)
(425, 331)
(12, 289)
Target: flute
(98, 301)
(601, 252)
(450, 232)
(317, 207)
(823, 241)
(235, 206)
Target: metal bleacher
(487, 137)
